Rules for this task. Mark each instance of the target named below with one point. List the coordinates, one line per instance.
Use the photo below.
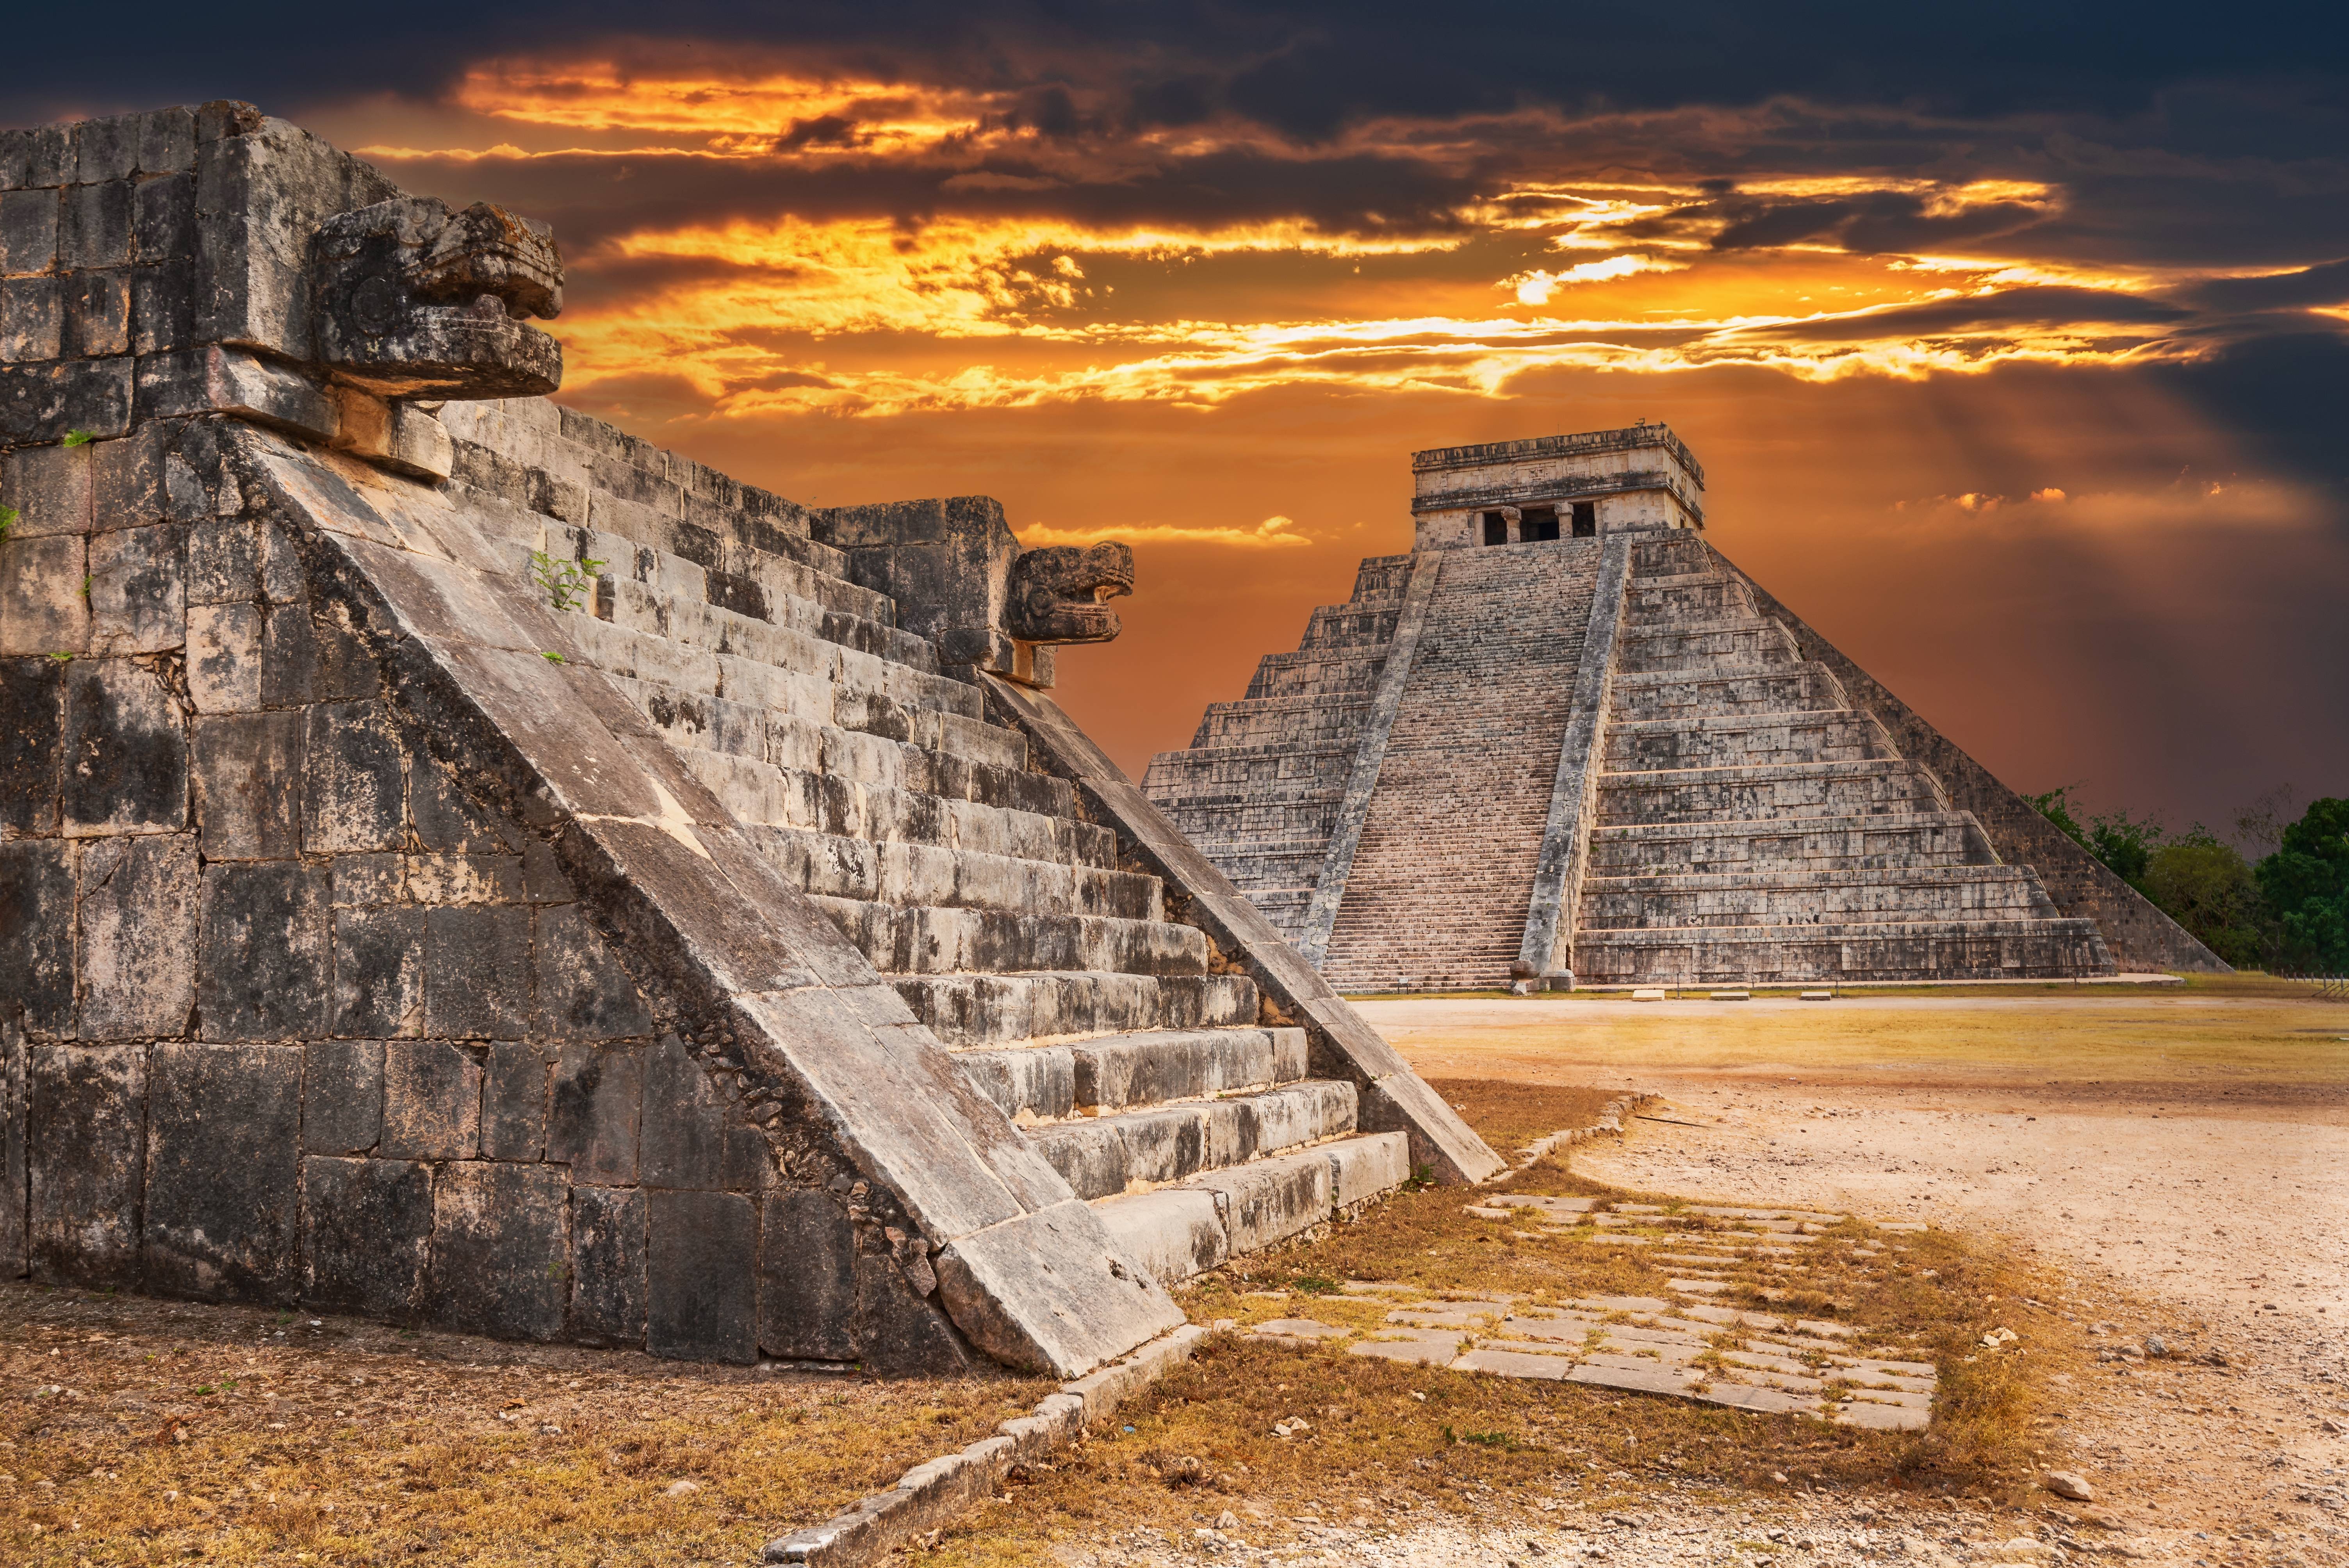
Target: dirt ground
(2182, 1155)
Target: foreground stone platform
(1566, 741)
(1686, 1345)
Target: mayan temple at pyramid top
(1566, 741)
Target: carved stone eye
(375, 307)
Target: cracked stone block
(693, 1134)
(36, 907)
(342, 1096)
(366, 1231)
(42, 609)
(379, 970)
(431, 1102)
(223, 658)
(248, 770)
(222, 1137)
(583, 992)
(126, 751)
(608, 1251)
(139, 900)
(593, 1111)
(807, 1277)
(137, 590)
(500, 1250)
(86, 1147)
(513, 1100)
(264, 947)
(32, 741)
(355, 786)
(701, 1304)
(477, 972)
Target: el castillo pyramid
(463, 864)
(1566, 742)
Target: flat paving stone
(1423, 1351)
(1299, 1328)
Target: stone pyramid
(460, 863)
(1566, 741)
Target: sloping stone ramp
(1685, 1343)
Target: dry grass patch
(1381, 1438)
(135, 1431)
(1510, 1116)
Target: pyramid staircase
(974, 882)
(1753, 825)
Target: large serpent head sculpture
(1060, 593)
(410, 299)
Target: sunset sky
(2014, 338)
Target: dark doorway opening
(1497, 528)
(1538, 523)
(1585, 520)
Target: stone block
(29, 232)
(162, 315)
(138, 589)
(378, 969)
(513, 1100)
(248, 770)
(40, 155)
(355, 784)
(694, 1136)
(900, 1331)
(223, 1147)
(37, 910)
(263, 952)
(342, 1096)
(140, 898)
(223, 658)
(608, 1250)
(309, 658)
(477, 967)
(366, 1233)
(1362, 1168)
(224, 558)
(166, 141)
(42, 609)
(583, 992)
(163, 220)
(53, 489)
(1170, 1234)
(105, 149)
(1271, 1199)
(126, 479)
(446, 820)
(702, 1276)
(807, 1277)
(594, 1108)
(96, 314)
(126, 751)
(32, 741)
(44, 402)
(94, 226)
(32, 320)
(431, 1102)
(86, 1160)
(500, 1250)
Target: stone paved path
(1686, 1345)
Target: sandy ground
(2196, 1195)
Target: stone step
(1777, 955)
(1354, 627)
(1657, 600)
(1119, 1072)
(681, 614)
(1669, 555)
(1288, 813)
(1870, 787)
(1881, 895)
(1332, 673)
(1211, 769)
(1724, 691)
(998, 1009)
(757, 791)
(1704, 645)
(1744, 740)
(1277, 720)
(1806, 843)
(1103, 1156)
(1177, 1232)
(836, 866)
(917, 939)
(760, 582)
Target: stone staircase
(1753, 825)
(972, 880)
(1259, 787)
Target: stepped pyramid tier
(1566, 741)
(463, 864)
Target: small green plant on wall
(568, 583)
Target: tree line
(2282, 906)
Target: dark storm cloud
(1879, 220)
(2002, 312)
